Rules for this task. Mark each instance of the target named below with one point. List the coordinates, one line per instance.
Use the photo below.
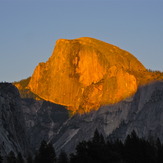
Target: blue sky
(30, 28)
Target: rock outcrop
(43, 120)
(85, 73)
(142, 112)
(24, 123)
(145, 114)
(13, 135)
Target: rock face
(85, 73)
(143, 113)
(12, 125)
(24, 123)
(87, 76)
(43, 120)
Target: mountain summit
(85, 73)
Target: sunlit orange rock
(85, 73)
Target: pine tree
(62, 157)
(20, 158)
(96, 138)
(82, 153)
(46, 153)
(1, 158)
(159, 148)
(102, 140)
(51, 153)
(11, 157)
(36, 159)
(29, 159)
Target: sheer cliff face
(24, 123)
(85, 73)
(12, 125)
(143, 113)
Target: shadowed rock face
(142, 112)
(13, 135)
(86, 73)
(24, 123)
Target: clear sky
(30, 28)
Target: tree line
(97, 150)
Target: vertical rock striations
(85, 73)
(12, 125)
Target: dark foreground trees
(97, 150)
(46, 153)
(11, 157)
(62, 158)
(133, 150)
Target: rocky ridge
(142, 112)
(85, 73)
(13, 135)
(109, 86)
(26, 122)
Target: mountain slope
(13, 136)
(26, 122)
(143, 113)
(109, 86)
